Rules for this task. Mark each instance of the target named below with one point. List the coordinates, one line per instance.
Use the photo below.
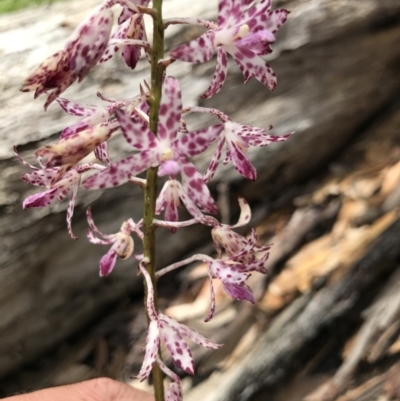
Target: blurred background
(326, 323)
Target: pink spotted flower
(163, 328)
(80, 54)
(129, 38)
(244, 30)
(237, 138)
(167, 150)
(169, 200)
(59, 184)
(122, 242)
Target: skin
(102, 389)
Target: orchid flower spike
(245, 30)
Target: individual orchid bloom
(169, 200)
(82, 51)
(245, 30)
(59, 186)
(238, 248)
(71, 149)
(164, 328)
(131, 37)
(122, 242)
(231, 273)
(238, 138)
(167, 150)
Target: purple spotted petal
(44, 178)
(267, 20)
(227, 273)
(76, 108)
(212, 168)
(242, 163)
(41, 199)
(92, 39)
(101, 153)
(171, 213)
(107, 263)
(253, 66)
(59, 191)
(131, 53)
(199, 50)
(174, 392)
(136, 131)
(126, 13)
(94, 240)
(74, 129)
(239, 292)
(120, 172)
(254, 264)
(188, 202)
(212, 297)
(219, 75)
(177, 347)
(170, 110)
(258, 12)
(196, 142)
(230, 11)
(189, 333)
(195, 187)
(152, 342)
(245, 213)
(260, 140)
(70, 209)
(114, 47)
(151, 310)
(94, 228)
(230, 240)
(69, 183)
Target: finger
(102, 389)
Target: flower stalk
(150, 191)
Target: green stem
(150, 192)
